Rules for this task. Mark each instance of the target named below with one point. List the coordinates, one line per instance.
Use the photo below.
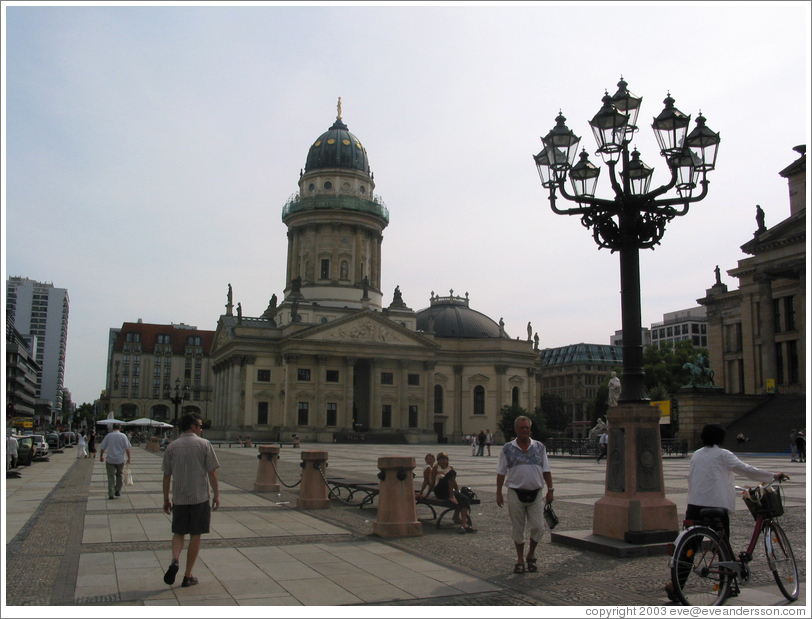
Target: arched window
(515, 396)
(438, 400)
(479, 400)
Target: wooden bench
(446, 505)
(228, 443)
(369, 490)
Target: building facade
(40, 310)
(146, 362)
(21, 373)
(689, 324)
(757, 332)
(331, 360)
(574, 374)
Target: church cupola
(335, 223)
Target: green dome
(337, 148)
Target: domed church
(330, 361)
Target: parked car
(55, 440)
(25, 450)
(41, 446)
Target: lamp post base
(634, 508)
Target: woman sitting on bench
(444, 484)
(427, 476)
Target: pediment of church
(478, 378)
(365, 328)
(516, 380)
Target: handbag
(128, 477)
(466, 491)
(549, 516)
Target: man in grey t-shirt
(189, 467)
(117, 446)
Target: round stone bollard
(397, 510)
(266, 473)
(313, 492)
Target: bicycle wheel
(696, 573)
(781, 560)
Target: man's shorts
(191, 519)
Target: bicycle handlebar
(763, 484)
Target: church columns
(291, 375)
(234, 390)
(501, 372)
(425, 421)
(375, 394)
(456, 418)
(247, 381)
(347, 414)
(531, 390)
(403, 396)
(320, 417)
(769, 366)
(359, 252)
(291, 255)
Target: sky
(149, 150)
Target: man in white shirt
(118, 447)
(524, 470)
(11, 452)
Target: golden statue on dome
(338, 107)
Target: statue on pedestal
(614, 390)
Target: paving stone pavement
(66, 544)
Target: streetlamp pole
(177, 399)
(634, 507)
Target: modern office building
(331, 360)
(757, 332)
(689, 324)
(41, 310)
(617, 338)
(574, 373)
(150, 363)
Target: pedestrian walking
(189, 467)
(480, 439)
(12, 448)
(523, 468)
(91, 445)
(489, 440)
(117, 446)
(81, 446)
(800, 445)
(603, 443)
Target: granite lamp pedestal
(634, 508)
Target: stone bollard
(296, 443)
(397, 510)
(266, 473)
(313, 492)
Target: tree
(664, 367)
(553, 411)
(507, 420)
(85, 412)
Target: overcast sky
(150, 150)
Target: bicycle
(704, 570)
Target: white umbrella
(145, 421)
(109, 422)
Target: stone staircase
(768, 425)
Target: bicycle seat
(711, 514)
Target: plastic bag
(128, 477)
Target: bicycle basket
(770, 504)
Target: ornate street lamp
(637, 215)
(178, 399)
(634, 507)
